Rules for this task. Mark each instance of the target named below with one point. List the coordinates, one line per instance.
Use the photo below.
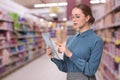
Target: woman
(83, 51)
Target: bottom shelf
(99, 75)
(16, 67)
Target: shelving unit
(20, 43)
(108, 27)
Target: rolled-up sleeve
(61, 64)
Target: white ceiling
(30, 3)
(42, 12)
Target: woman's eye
(77, 16)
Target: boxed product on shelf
(109, 5)
(52, 32)
(99, 25)
(2, 69)
(21, 47)
(1, 57)
(25, 28)
(98, 11)
(1, 14)
(17, 26)
(117, 17)
(116, 2)
(22, 20)
(5, 26)
(5, 57)
(14, 16)
(31, 23)
(108, 20)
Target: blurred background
(22, 48)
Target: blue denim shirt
(86, 50)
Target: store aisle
(40, 69)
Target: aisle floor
(39, 69)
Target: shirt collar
(85, 33)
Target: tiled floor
(40, 69)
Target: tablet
(48, 42)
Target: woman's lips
(75, 24)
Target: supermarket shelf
(4, 28)
(99, 75)
(3, 47)
(116, 24)
(108, 27)
(17, 67)
(23, 23)
(110, 54)
(3, 20)
(112, 71)
(116, 8)
(13, 45)
(22, 30)
(19, 37)
(2, 38)
(105, 75)
(21, 41)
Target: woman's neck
(85, 28)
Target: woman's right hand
(49, 52)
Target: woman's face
(78, 18)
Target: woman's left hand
(63, 49)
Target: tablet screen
(48, 42)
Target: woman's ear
(87, 18)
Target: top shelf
(3, 20)
(114, 9)
(108, 26)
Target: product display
(20, 42)
(25, 30)
(108, 27)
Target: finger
(47, 46)
(59, 51)
(59, 44)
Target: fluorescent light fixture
(50, 4)
(103, 1)
(50, 23)
(53, 15)
(62, 4)
(41, 20)
(64, 19)
(39, 5)
(97, 1)
(94, 1)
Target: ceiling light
(50, 23)
(64, 19)
(41, 20)
(103, 1)
(97, 1)
(50, 4)
(62, 4)
(39, 5)
(53, 15)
